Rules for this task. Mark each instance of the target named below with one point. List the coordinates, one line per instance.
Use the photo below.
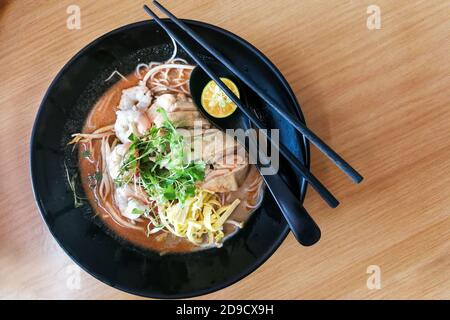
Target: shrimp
(115, 160)
(135, 98)
(129, 203)
(166, 101)
(131, 116)
(131, 121)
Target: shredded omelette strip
(200, 217)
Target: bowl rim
(244, 272)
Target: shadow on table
(3, 5)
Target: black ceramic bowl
(85, 239)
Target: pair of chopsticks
(290, 118)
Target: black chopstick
(309, 134)
(315, 183)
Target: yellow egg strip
(200, 219)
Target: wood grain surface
(379, 97)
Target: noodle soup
(141, 180)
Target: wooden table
(379, 97)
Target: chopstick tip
(334, 204)
(358, 179)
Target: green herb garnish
(94, 179)
(137, 211)
(86, 154)
(156, 162)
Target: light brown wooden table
(380, 97)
